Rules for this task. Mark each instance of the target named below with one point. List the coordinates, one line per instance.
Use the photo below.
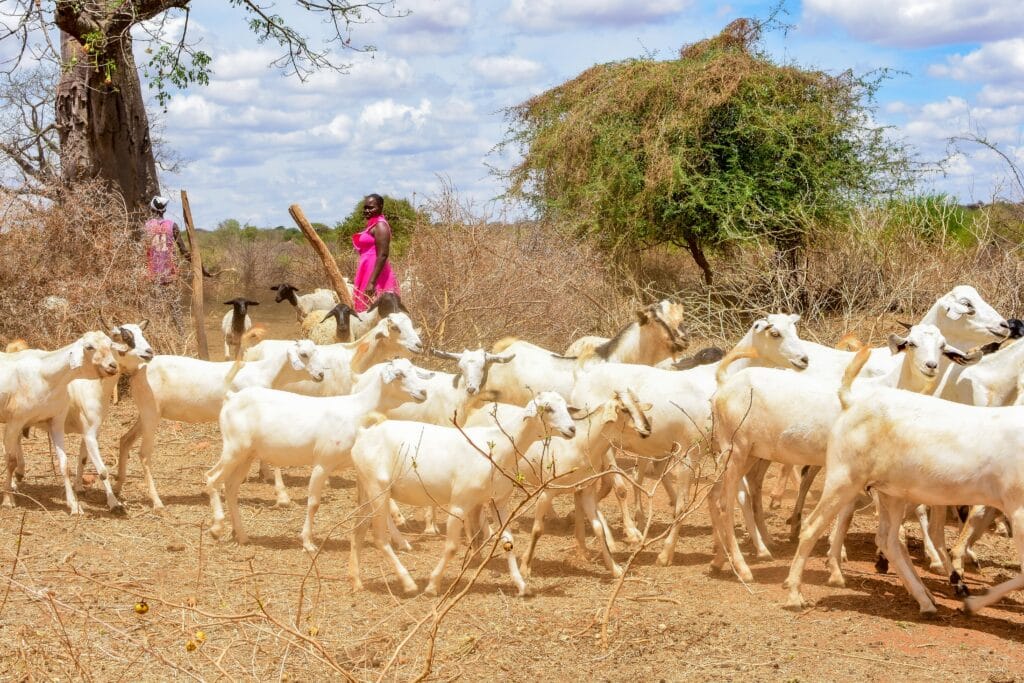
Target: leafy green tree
(402, 216)
(720, 144)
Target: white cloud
(245, 63)
(551, 15)
(507, 70)
(1001, 61)
(388, 113)
(999, 95)
(196, 110)
(434, 15)
(916, 23)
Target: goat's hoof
(837, 581)
(8, 504)
(75, 510)
(928, 612)
(796, 602)
(216, 530)
(411, 589)
(431, 531)
(971, 604)
(399, 520)
(882, 564)
(616, 571)
(765, 555)
(309, 547)
(119, 509)
(19, 476)
(774, 503)
(241, 539)
(524, 591)
(961, 590)
(936, 568)
(665, 559)
(634, 536)
(357, 586)
(745, 575)
(282, 503)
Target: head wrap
(159, 203)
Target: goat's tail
(16, 346)
(852, 370)
(723, 367)
(251, 338)
(849, 342)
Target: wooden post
(330, 267)
(198, 317)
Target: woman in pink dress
(373, 273)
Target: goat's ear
(252, 303)
(389, 373)
(500, 357)
(120, 348)
(576, 413)
(293, 357)
(531, 410)
(645, 407)
(760, 325)
(896, 343)
(643, 316)
(144, 324)
(794, 318)
(76, 356)
(961, 358)
(424, 374)
(274, 288)
(611, 410)
(954, 309)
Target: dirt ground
(74, 586)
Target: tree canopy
(722, 143)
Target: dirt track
(70, 610)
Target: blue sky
(427, 104)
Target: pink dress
(160, 250)
(367, 248)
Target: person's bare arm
(183, 249)
(382, 242)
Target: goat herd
(933, 419)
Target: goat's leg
(232, 484)
(453, 536)
(781, 486)
(588, 501)
(83, 457)
(807, 476)
(977, 523)
(281, 492)
(997, 592)
(539, 512)
(507, 544)
(430, 521)
(379, 497)
(629, 526)
(679, 470)
(363, 520)
(145, 455)
(643, 465)
(214, 480)
(835, 546)
(56, 427)
(316, 487)
(933, 531)
(752, 508)
(124, 448)
(92, 447)
(839, 492)
(738, 465)
(266, 474)
(12, 446)
(893, 510)
(396, 514)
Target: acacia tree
(100, 114)
(722, 143)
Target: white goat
(192, 391)
(288, 431)
(317, 300)
(393, 336)
(565, 463)
(786, 417)
(90, 400)
(425, 465)
(34, 389)
(235, 323)
(909, 447)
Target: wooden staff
(198, 318)
(330, 267)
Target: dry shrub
(83, 250)
(472, 282)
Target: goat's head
(410, 380)
(304, 355)
(967, 318)
(774, 337)
(342, 313)
(668, 316)
(95, 352)
(285, 292)
(473, 366)
(925, 345)
(626, 410)
(131, 344)
(398, 327)
(240, 305)
(551, 409)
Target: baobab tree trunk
(101, 118)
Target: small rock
(175, 547)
